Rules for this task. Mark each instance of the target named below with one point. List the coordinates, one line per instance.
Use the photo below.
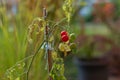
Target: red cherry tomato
(63, 33)
(65, 38)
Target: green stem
(33, 60)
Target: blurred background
(99, 19)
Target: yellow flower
(64, 47)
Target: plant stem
(33, 60)
(49, 58)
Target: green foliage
(34, 40)
(57, 71)
(18, 70)
(67, 7)
(12, 42)
(20, 43)
(117, 8)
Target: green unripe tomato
(72, 37)
(72, 45)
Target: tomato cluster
(64, 36)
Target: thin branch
(33, 59)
